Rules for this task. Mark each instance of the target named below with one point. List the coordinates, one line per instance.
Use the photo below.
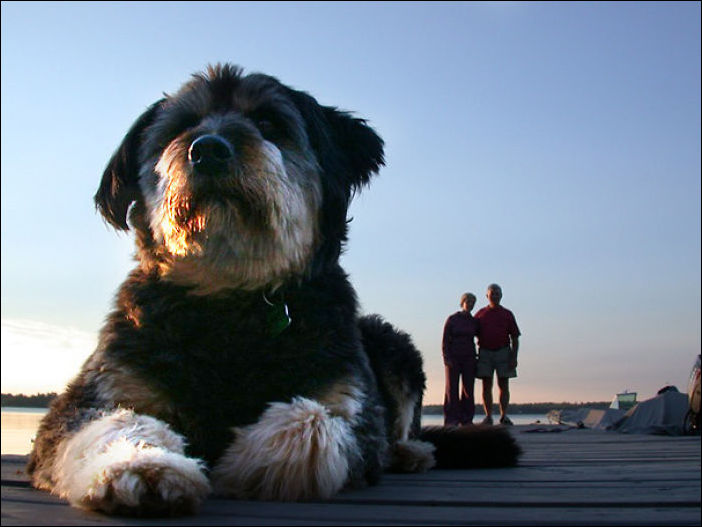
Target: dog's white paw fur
(296, 451)
(129, 463)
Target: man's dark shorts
(490, 361)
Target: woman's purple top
(460, 331)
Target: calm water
(18, 428)
(20, 424)
(517, 419)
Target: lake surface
(517, 419)
(19, 425)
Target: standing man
(498, 343)
(458, 348)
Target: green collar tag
(277, 318)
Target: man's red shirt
(496, 326)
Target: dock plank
(571, 477)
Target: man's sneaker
(504, 420)
(486, 421)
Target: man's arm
(514, 349)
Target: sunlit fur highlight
(296, 451)
(180, 222)
(114, 462)
(206, 238)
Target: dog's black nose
(210, 153)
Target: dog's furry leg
(409, 454)
(128, 463)
(397, 365)
(295, 451)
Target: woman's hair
(466, 296)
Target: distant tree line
(524, 408)
(42, 400)
(39, 400)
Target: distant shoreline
(39, 400)
(523, 408)
(42, 400)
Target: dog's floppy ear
(120, 181)
(349, 152)
(358, 142)
(344, 145)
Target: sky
(552, 148)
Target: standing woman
(458, 348)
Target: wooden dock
(566, 477)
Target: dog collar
(278, 317)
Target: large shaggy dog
(235, 360)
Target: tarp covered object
(589, 418)
(604, 419)
(663, 414)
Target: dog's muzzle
(210, 154)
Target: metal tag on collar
(278, 318)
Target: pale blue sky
(553, 148)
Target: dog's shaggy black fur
(237, 189)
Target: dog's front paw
(142, 481)
(296, 451)
(412, 456)
(125, 463)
